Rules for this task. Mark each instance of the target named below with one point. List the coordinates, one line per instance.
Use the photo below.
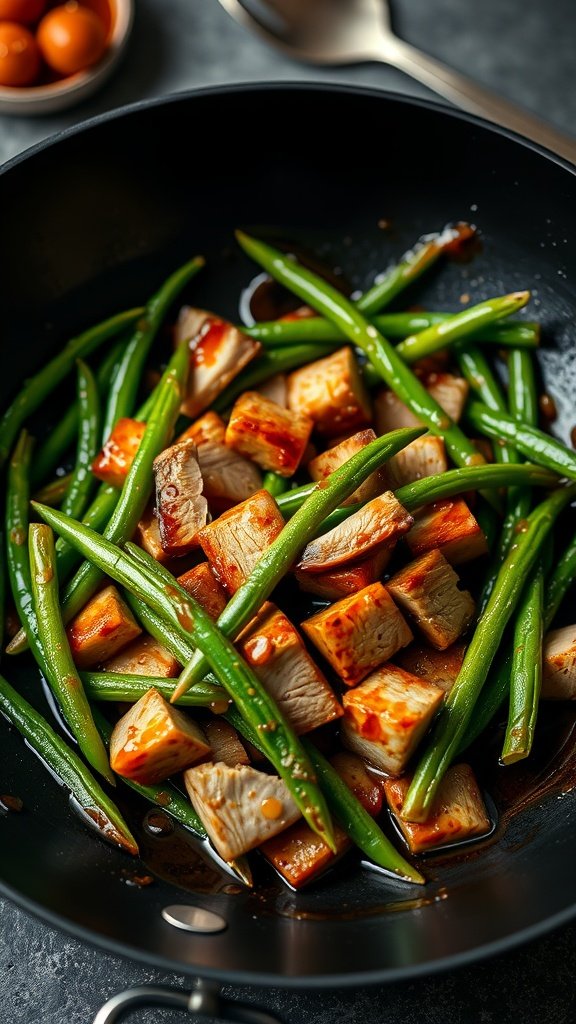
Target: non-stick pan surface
(91, 223)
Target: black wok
(92, 222)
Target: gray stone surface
(525, 50)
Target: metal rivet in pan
(193, 919)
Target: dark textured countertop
(525, 50)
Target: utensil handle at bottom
(203, 1001)
(471, 96)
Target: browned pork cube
(103, 627)
(114, 460)
(154, 740)
(439, 667)
(428, 590)
(181, 508)
(224, 742)
(236, 541)
(299, 855)
(449, 391)
(147, 534)
(218, 351)
(144, 657)
(275, 389)
(386, 716)
(458, 812)
(450, 527)
(228, 477)
(201, 583)
(359, 633)
(330, 460)
(350, 579)
(239, 807)
(274, 437)
(274, 649)
(377, 524)
(559, 664)
(366, 786)
(425, 456)
(332, 393)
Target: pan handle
(204, 1001)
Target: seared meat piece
(147, 534)
(103, 627)
(239, 807)
(325, 464)
(225, 742)
(202, 585)
(218, 352)
(228, 477)
(379, 523)
(332, 393)
(425, 456)
(428, 589)
(300, 855)
(559, 664)
(450, 392)
(367, 788)
(386, 716)
(274, 437)
(181, 507)
(275, 389)
(114, 460)
(359, 633)
(154, 740)
(144, 657)
(274, 649)
(449, 526)
(439, 667)
(458, 812)
(349, 580)
(235, 542)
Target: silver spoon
(355, 31)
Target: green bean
(461, 325)
(82, 482)
(533, 443)
(3, 578)
(419, 259)
(138, 484)
(17, 519)
(523, 407)
(38, 387)
(476, 369)
(317, 331)
(526, 674)
(61, 437)
(128, 688)
(173, 603)
(267, 365)
(323, 297)
(67, 767)
(275, 484)
(280, 555)
(56, 662)
(560, 580)
(52, 493)
(127, 378)
(454, 717)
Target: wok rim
(383, 975)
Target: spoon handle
(468, 95)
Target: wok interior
(92, 224)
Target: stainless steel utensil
(355, 31)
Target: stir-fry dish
(279, 578)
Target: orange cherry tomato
(19, 55)
(24, 11)
(71, 38)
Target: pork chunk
(239, 807)
(386, 716)
(458, 812)
(337, 583)
(438, 667)
(428, 590)
(449, 391)
(201, 583)
(449, 526)
(332, 393)
(103, 627)
(181, 507)
(228, 477)
(559, 664)
(154, 740)
(225, 742)
(425, 456)
(299, 855)
(275, 438)
(236, 541)
(218, 352)
(359, 633)
(114, 460)
(144, 657)
(379, 523)
(147, 534)
(330, 460)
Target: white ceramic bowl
(47, 99)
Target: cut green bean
(533, 443)
(125, 687)
(275, 484)
(456, 713)
(302, 527)
(173, 603)
(17, 524)
(66, 766)
(82, 482)
(52, 493)
(38, 387)
(55, 661)
(461, 325)
(526, 674)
